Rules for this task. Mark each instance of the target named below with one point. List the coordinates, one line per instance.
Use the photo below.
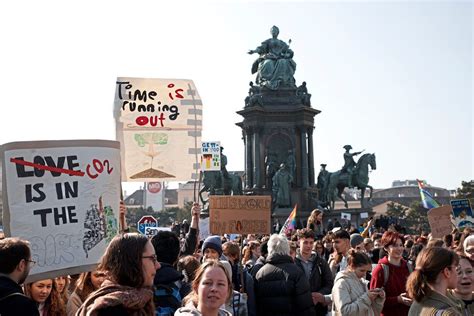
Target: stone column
(304, 159)
(256, 159)
(248, 158)
(310, 157)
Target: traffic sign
(146, 221)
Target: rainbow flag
(290, 223)
(426, 198)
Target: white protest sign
(63, 197)
(346, 216)
(204, 228)
(210, 156)
(364, 215)
(158, 123)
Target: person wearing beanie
(212, 248)
(357, 242)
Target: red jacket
(395, 286)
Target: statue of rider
(349, 163)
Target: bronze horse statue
(360, 178)
(212, 183)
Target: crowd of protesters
(310, 271)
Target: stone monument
(277, 128)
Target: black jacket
(15, 304)
(320, 279)
(282, 288)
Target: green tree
(396, 210)
(466, 191)
(417, 218)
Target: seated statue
(302, 93)
(275, 66)
(254, 97)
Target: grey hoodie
(190, 309)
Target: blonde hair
(208, 264)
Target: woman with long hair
(315, 222)
(211, 289)
(350, 295)
(131, 264)
(435, 273)
(391, 273)
(62, 284)
(251, 254)
(46, 296)
(87, 283)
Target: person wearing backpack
(391, 274)
(169, 286)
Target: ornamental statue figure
(322, 184)
(281, 186)
(275, 65)
(349, 163)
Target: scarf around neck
(137, 301)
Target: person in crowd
(168, 282)
(341, 243)
(350, 294)
(391, 273)
(369, 246)
(212, 248)
(47, 297)
(87, 283)
(428, 284)
(319, 249)
(316, 270)
(261, 260)
(62, 284)
(357, 242)
(448, 241)
(211, 289)
(468, 248)
(15, 265)
(241, 280)
(187, 266)
(293, 248)
(328, 249)
(435, 243)
(315, 223)
(281, 287)
(414, 252)
(377, 248)
(251, 254)
(131, 264)
(465, 287)
(406, 250)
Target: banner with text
(63, 197)
(211, 156)
(240, 214)
(158, 123)
(462, 213)
(439, 219)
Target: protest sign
(364, 215)
(462, 213)
(239, 214)
(440, 221)
(210, 156)
(63, 197)
(154, 196)
(203, 228)
(158, 124)
(346, 216)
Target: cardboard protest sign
(158, 123)
(63, 197)
(210, 156)
(440, 221)
(239, 214)
(462, 213)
